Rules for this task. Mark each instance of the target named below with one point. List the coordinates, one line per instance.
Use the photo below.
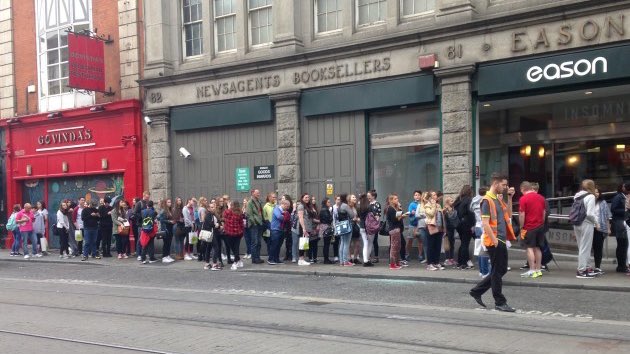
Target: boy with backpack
(583, 217)
(12, 226)
(148, 233)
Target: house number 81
(453, 52)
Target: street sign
(264, 172)
(242, 179)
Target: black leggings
(234, 243)
(63, 239)
(327, 247)
(598, 247)
(465, 235)
(122, 244)
(375, 245)
(312, 248)
(168, 240)
(207, 247)
(435, 245)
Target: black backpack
(577, 215)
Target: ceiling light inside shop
(597, 149)
(573, 160)
(621, 147)
(528, 150)
(487, 105)
(541, 152)
(588, 92)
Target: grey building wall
(460, 33)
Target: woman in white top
(63, 228)
(584, 231)
(39, 226)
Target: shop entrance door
(333, 153)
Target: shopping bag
(78, 235)
(193, 238)
(44, 244)
(304, 245)
(206, 235)
(477, 249)
(446, 244)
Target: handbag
(477, 249)
(304, 244)
(446, 244)
(123, 230)
(383, 231)
(206, 235)
(193, 238)
(78, 235)
(343, 227)
(44, 244)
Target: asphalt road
(67, 308)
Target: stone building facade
(388, 94)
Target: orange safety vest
(487, 240)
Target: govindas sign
(578, 67)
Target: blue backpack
(11, 224)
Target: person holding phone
(395, 227)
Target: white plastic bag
(44, 244)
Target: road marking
(555, 314)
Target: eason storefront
(88, 152)
(557, 119)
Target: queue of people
(211, 231)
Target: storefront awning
(368, 95)
(210, 115)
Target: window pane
(53, 87)
(332, 5)
(254, 20)
(321, 23)
(363, 15)
(64, 54)
(64, 86)
(221, 43)
(53, 72)
(53, 56)
(382, 10)
(64, 70)
(407, 7)
(331, 21)
(195, 14)
(63, 38)
(186, 14)
(230, 43)
(52, 41)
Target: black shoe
(327, 261)
(257, 261)
(357, 261)
(584, 275)
(368, 264)
(478, 299)
(375, 260)
(618, 270)
(230, 261)
(84, 259)
(526, 266)
(504, 308)
(545, 268)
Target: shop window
(370, 12)
(411, 8)
(260, 22)
(54, 17)
(404, 148)
(327, 16)
(192, 13)
(558, 140)
(225, 25)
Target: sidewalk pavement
(560, 276)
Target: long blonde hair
(589, 185)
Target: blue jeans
(138, 245)
(344, 247)
(295, 238)
(26, 236)
(484, 265)
(253, 238)
(424, 236)
(17, 241)
(275, 243)
(89, 242)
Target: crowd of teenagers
(211, 231)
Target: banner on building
(86, 63)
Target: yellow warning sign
(329, 189)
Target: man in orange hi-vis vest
(497, 232)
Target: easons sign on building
(579, 67)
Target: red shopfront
(89, 152)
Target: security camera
(148, 120)
(184, 152)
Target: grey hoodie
(591, 207)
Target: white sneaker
(234, 267)
(140, 258)
(247, 256)
(188, 257)
(39, 255)
(336, 259)
(166, 260)
(60, 256)
(223, 257)
(527, 274)
(470, 264)
(170, 259)
(302, 262)
(27, 256)
(239, 264)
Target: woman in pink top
(25, 219)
